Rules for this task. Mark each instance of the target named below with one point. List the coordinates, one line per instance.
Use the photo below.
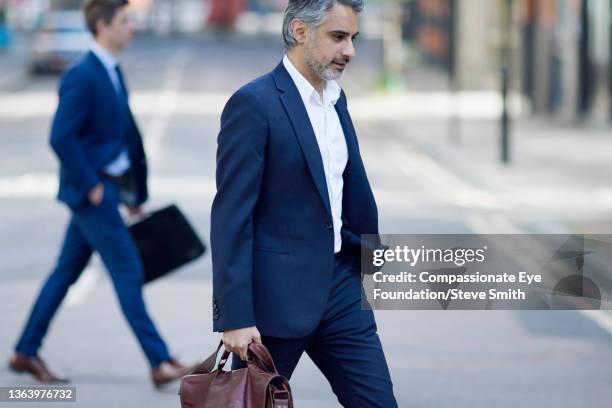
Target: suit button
(329, 226)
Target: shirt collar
(331, 93)
(106, 57)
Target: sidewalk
(559, 173)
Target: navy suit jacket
(271, 236)
(91, 127)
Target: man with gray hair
(292, 201)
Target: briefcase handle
(209, 364)
(257, 355)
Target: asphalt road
(437, 359)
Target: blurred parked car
(61, 38)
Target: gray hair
(313, 13)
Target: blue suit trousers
(97, 228)
(345, 346)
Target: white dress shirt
(122, 162)
(330, 138)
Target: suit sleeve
(72, 113)
(240, 167)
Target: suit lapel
(348, 130)
(294, 106)
(105, 81)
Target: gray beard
(324, 72)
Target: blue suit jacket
(272, 245)
(91, 127)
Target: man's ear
(301, 31)
(100, 26)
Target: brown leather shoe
(21, 363)
(169, 371)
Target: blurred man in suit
(292, 195)
(102, 164)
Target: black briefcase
(166, 241)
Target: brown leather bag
(259, 385)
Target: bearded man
(292, 195)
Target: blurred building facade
(560, 50)
(567, 57)
(462, 38)
(160, 16)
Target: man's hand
(238, 340)
(96, 194)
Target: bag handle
(209, 364)
(259, 355)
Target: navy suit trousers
(98, 228)
(345, 346)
